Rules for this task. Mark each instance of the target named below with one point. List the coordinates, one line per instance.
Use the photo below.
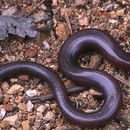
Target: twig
(51, 95)
(68, 22)
(122, 80)
(34, 8)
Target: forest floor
(65, 17)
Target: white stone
(29, 106)
(46, 45)
(31, 93)
(2, 113)
(41, 109)
(112, 21)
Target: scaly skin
(76, 45)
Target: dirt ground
(62, 18)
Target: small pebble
(112, 21)
(88, 110)
(29, 106)
(40, 87)
(31, 93)
(54, 2)
(49, 116)
(15, 89)
(53, 106)
(2, 113)
(84, 21)
(25, 125)
(120, 12)
(48, 60)
(110, 7)
(43, 7)
(5, 86)
(22, 107)
(55, 67)
(49, 23)
(46, 45)
(41, 109)
(12, 120)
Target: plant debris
(16, 25)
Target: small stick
(51, 95)
(68, 22)
(34, 9)
(122, 80)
